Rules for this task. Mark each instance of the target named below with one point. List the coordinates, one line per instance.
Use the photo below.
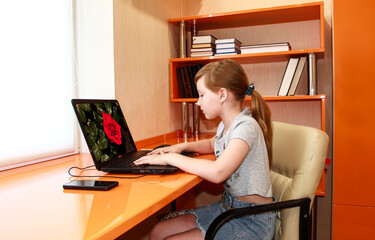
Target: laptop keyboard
(130, 161)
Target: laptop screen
(104, 127)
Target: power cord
(87, 168)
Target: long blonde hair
(230, 75)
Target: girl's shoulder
(246, 124)
(246, 127)
(244, 118)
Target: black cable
(84, 168)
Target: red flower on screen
(112, 128)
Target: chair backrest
(299, 154)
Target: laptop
(109, 139)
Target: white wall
(93, 20)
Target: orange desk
(35, 206)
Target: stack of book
(260, 48)
(203, 46)
(228, 46)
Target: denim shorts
(259, 226)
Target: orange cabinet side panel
(354, 128)
(354, 124)
(353, 222)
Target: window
(37, 81)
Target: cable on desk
(85, 168)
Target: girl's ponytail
(262, 114)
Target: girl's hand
(163, 150)
(154, 159)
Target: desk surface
(35, 206)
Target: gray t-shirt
(252, 176)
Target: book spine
(203, 39)
(180, 82)
(228, 50)
(227, 45)
(189, 93)
(192, 82)
(228, 40)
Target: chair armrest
(303, 203)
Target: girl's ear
(223, 95)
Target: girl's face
(208, 100)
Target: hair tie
(250, 89)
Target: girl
(242, 147)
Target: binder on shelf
(190, 77)
(187, 86)
(180, 82)
(186, 82)
(288, 76)
(297, 76)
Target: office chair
(299, 154)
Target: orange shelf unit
(244, 22)
(305, 32)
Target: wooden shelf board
(251, 58)
(267, 99)
(290, 13)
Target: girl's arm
(213, 171)
(205, 146)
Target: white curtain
(37, 81)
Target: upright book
(288, 76)
(297, 76)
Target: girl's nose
(199, 102)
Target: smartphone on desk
(90, 185)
